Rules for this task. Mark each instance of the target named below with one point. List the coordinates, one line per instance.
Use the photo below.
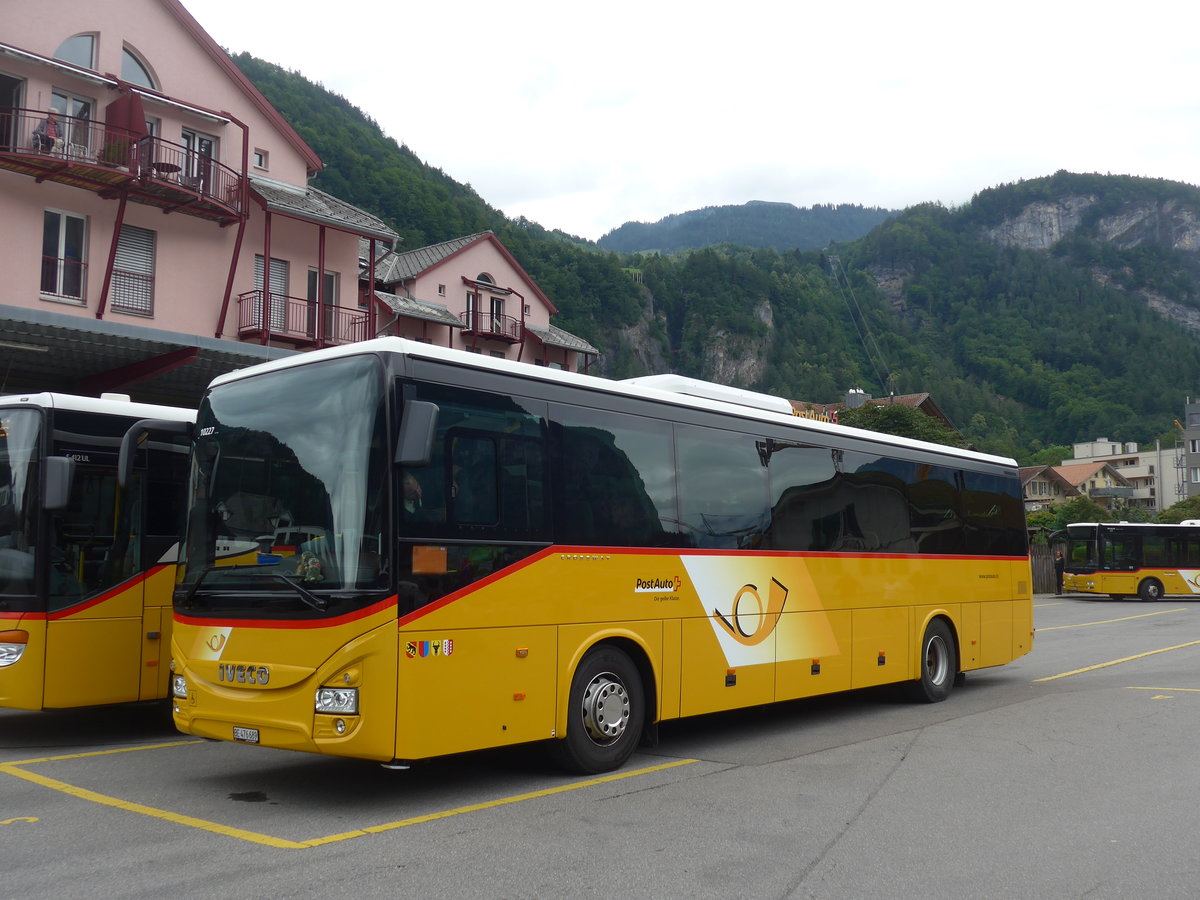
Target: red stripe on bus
(119, 589)
(89, 603)
(490, 579)
(442, 602)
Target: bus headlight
(12, 645)
(340, 701)
(179, 687)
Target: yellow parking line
(13, 768)
(492, 804)
(1172, 690)
(92, 796)
(1114, 662)
(44, 759)
(1110, 621)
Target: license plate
(245, 735)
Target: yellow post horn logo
(765, 617)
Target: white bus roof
(668, 389)
(110, 404)
(1193, 523)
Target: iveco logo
(243, 674)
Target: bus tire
(939, 664)
(606, 713)
(1150, 589)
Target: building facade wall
(192, 256)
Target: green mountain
(1052, 310)
(754, 224)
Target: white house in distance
(158, 226)
(471, 294)
(1153, 476)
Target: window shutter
(133, 271)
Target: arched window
(79, 50)
(134, 70)
(485, 278)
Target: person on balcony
(48, 136)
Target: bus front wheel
(1150, 589)
(939, 664)
(606, 713)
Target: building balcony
(1111, 492)
(109, 161)
(491, 325)
(296, 321)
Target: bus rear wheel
(939, 664)
(1150, 589)
(606, 713)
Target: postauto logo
(670, 584)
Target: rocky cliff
(1169, 223)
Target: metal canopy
(46, 351)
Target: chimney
(856, 397)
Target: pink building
(471, 294)
(143, 220)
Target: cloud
(582, 118)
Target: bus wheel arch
(938, 662)
(608, 706)
(1150, 589)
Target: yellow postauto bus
(86, 571)
(1126, 559)
(456, 552)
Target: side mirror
(57, 477)
(134, 436)
(418, 424)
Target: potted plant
(116, 152)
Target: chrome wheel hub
(937, 660)
(605, 708)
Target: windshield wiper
(187, 598)
(320, 604)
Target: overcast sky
(585, 117)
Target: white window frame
(60, 269)
(200, 152)
(76, 113)
(277, 303)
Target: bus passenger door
(94, 604)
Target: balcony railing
(297, 321)
(90, 154)
(1112, 492)
(491, 325)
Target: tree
(1048, 456)
(1079, 509)
(904, 421)
(1184, 509)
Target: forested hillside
(780, 226)
(1057, 309)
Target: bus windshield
(289, 499)
(20, 431)
(1081, 552)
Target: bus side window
(473, 481)
(722, 487)
(613, 468)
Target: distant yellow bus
(86, 571)
(1124, 559)
(456, 552)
